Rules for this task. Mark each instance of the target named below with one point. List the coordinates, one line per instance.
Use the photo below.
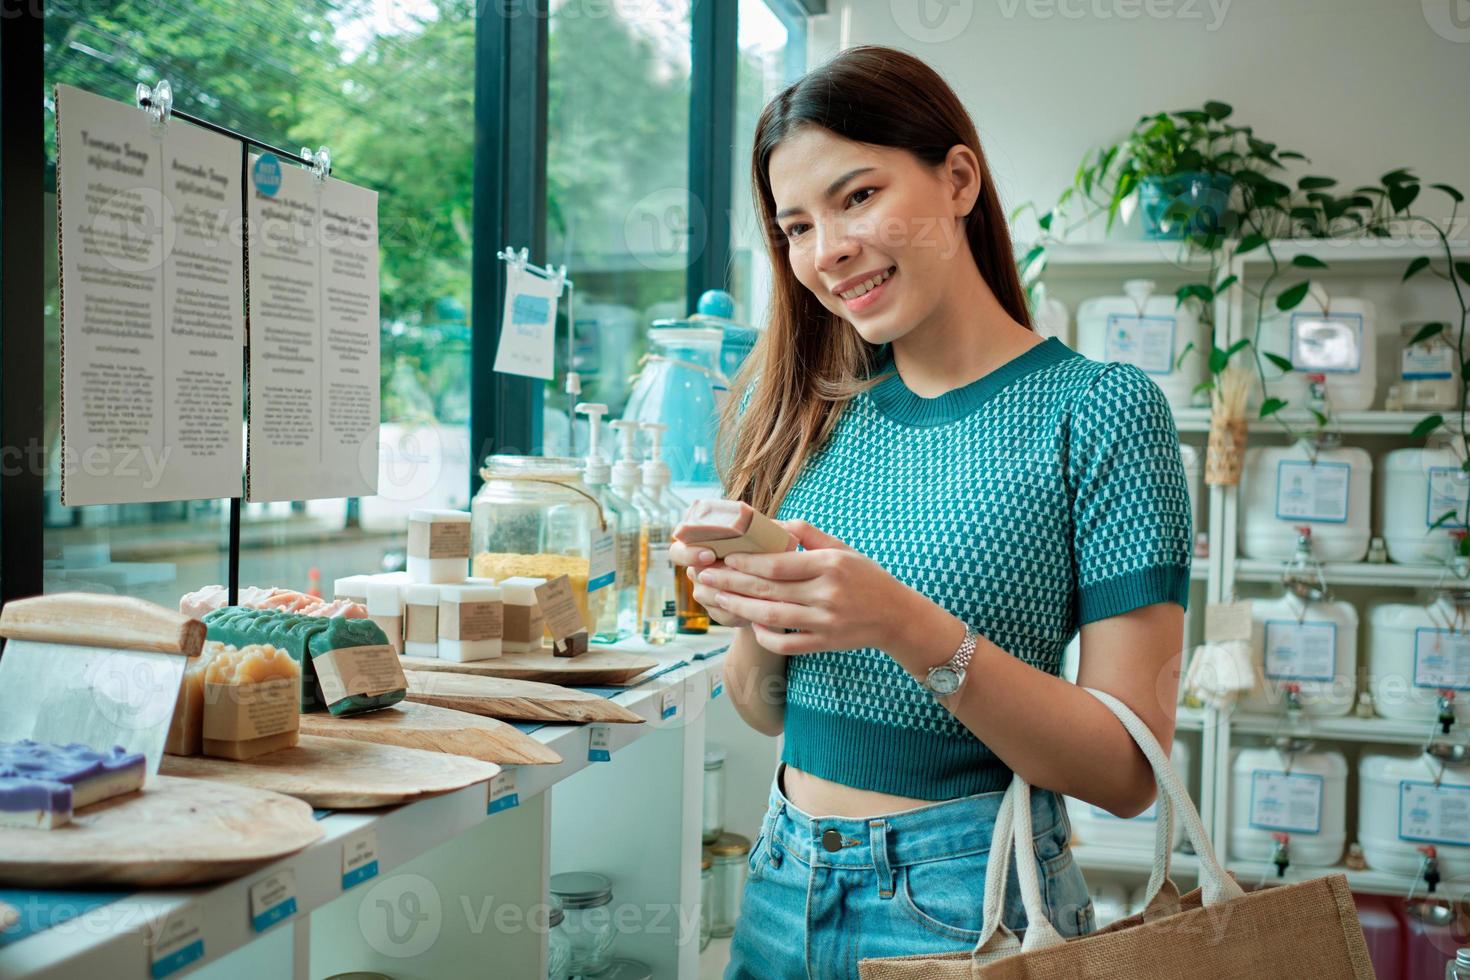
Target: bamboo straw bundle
(1227, 427)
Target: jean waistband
(944, 829)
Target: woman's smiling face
(871, 230)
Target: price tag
(359, 859)
(503, 791)
(1434, 814)
(1228, 621)
(1300, 651)
(716, 684)
(1330, 343)
(272, 899)
(178, 942)
(603, 565)
(599, 745)
(1312, 493)
(1147, 342)
(1286, 801)
(669, 703)
(1441, 659)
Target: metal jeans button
(832, 839)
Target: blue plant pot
(1193, 202)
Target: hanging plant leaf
(1238, 346)
(1427, 331)
(1198, 290)
(1427, 425)
(1315, 183)
(1418, 265)
(1308, 262)
(1292, 297)
(1204, 387)
(1218, 110)
(1455, 195)
(1250, 243)
(1271, 406)
(1448, 515)
(1400, 196)
(1365, 189)
(1225, 284)
(1218, 360)
(1279, 361)
(1291, 155)
(1463, 268)
(1395, 177)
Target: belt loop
(878, 840)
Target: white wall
(1359, 86)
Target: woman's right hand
(696, 559)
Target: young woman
(967, 496)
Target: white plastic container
(1427, 370)
(1148, 331)
(1051, 318)
(1095, 826)
(1340, 344)
(1302, 794)
(1311, 644)
(1416, 487)
(1414, 652)
(1194, 476)
(1400, 810)
(1281, 488)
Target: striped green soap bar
(240, 626)
(356, 668)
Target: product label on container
(1448, 488)
(603, 565)
(599, 743)
(660, 567)
(1434, 814)
(628, 559)
(503, 794)
(272, 899)
(177, 942)
(1312, 493)
(1433, 360)
(1329, 343)
(1441, 659)
(359, 859)
(1284, 801)
(1300, 651)
(1147, 342)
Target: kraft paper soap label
(422, 623)
(471, 621)
(439, 539)
(369, 670)
(240, 712)
(1226, 622)
(559, 607)
(392, 627)
(523, 624)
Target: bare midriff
(820, 797)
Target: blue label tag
(602, 581)
(504, 803)
(274, 914)
(177, 960)
(530, 309)
(358, 875)
(267, 174)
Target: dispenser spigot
(1446, 705)
(1429, 871)
(1281, 856)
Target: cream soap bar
(523, 623)
(730, 526)
(471, 620)
(438, 545)
(421, 620)
(251, 702)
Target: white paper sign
(152, 308)
(1434, 814)
(1329, 343)
(599, 743)
(1441, 659)
(359, 858)
(1300, 651)
(528, 325)
(1146, 342)
(314, 335)
(272, 899)
(1432, 360)
(1289, 802)
(1312, 493)
(1448, 488)
(603, 562)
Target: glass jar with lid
(534, 517)
(706, 896)
(714, 793)
(730, 854)
(558, 946)
(585, 898)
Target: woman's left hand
(838, 598)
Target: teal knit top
(1043, 496)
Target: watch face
(944, 680)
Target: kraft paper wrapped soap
(471, 621)
(356, 667)
(186, 731)
(523, 623)
(730, 526)
(421, 620)
(438, 545)
(251, 702)
(240, 627)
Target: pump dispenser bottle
(660, 608)
(624, 522)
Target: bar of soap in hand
(730, 526)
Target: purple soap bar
(91, 775)
(26, 802)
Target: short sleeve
(1132, 531)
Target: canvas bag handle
(1013, 829)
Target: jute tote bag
(1306, 931)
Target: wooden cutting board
(434, 729)
(501, 697)
(172, 832)
(595, 667)
(337, 774)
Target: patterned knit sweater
(1043, 496)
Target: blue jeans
(816, 902)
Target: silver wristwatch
(945, 679)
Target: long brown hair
(808, 363)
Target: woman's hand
(696, 559)
(837, 598)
